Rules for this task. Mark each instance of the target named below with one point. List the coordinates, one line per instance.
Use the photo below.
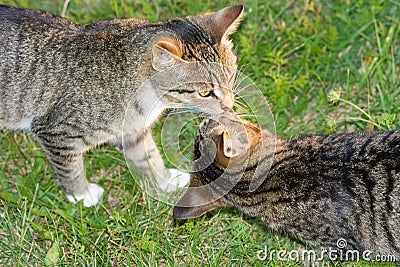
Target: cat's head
(195, 61)
(225, 148)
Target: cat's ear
(166, 54)
(225, 21)
(235, 146)
(194, 203)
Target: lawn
(323, 66)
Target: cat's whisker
(238, 83)
(241, 68)
(241, 111)
(240, 104)
(179, 112)
(184, 108)
(248, 115)
(240, 100)
(241, 107)
(239, 76)
(238, 91)
(243, 97)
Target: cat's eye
(206, 93)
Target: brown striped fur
(318, 188)
(73, 86)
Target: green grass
(299, 53)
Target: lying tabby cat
(71, 85)
(317, 188)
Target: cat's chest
(141, 122)
(143, 112)
(134, 126)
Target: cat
(70, 86)
(317, 188)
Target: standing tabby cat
(71, 85)
(317, 188)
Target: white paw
(178, 179)
(90, 198)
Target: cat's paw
(178, 179)
(90, 198)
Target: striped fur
(72, 86)
(318, 188)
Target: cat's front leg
(70, 171)
(147, 158)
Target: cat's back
(25, 37)
(14, 17)
(42, 55)
(347, 148)
(348, 183)
(114, 26)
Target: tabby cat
(318, 188)
(71, 85)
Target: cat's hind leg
(71, 178)
(70, 171)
